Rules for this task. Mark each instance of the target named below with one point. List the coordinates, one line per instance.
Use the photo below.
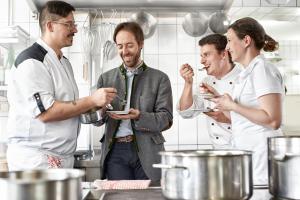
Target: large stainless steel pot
(195, 24)
(146, 21)
(206, 174)
(284, 166)
(50, 184)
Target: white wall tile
(171, 147)
(34, 31)
(151, 60)
(21, 11)
(187, 131)
(4, 12)
(168, 64)
(175, 97)
(151, 44)
(186, 43)
(167, 39)
(187, 147)
(171, 135)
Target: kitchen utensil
(146, 21)
(219, 22)
(195, 24)
(91, 116)
(50, 184)
(283, 165)
(206, 174)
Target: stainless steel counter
(91, 166)
(150, 194)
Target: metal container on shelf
(283, 163)
(206, 174)
(50, 184)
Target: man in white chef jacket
(221, 75)
(43, 122)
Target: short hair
(131, 27)
(218, 40)
(251, 27)
(54, 10)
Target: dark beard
(135, 60)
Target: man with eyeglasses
(43, 122)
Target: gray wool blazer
(152, 95)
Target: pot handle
(284, 156)
(165, 166)
(186, 172)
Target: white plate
(118, 112)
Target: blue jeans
(123, 163)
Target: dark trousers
(123, 163)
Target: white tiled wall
(166, 50)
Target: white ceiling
(262, 10)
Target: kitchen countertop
(90, 193)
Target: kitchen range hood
(164, 5)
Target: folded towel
(121, 184)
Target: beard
(132, 62)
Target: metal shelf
(13, 37)
(3, 87)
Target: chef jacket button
(228, 127)
(217, 138)
(214, 82)
(212, 124)
(230, 83)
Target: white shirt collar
(247, 70)
(47, 47)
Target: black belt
(125, 139)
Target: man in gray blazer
(131, 141)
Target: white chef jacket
(39, 71)
(220, 133)
(257, 79)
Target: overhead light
(278, 2)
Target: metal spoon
(201, 69)
(109, 107)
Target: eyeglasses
(69, 25)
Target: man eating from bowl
(221, 76)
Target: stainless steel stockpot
(206, 174)
(50, 184)
(284, 166)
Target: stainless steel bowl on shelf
(206, 174)
(50, 184)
